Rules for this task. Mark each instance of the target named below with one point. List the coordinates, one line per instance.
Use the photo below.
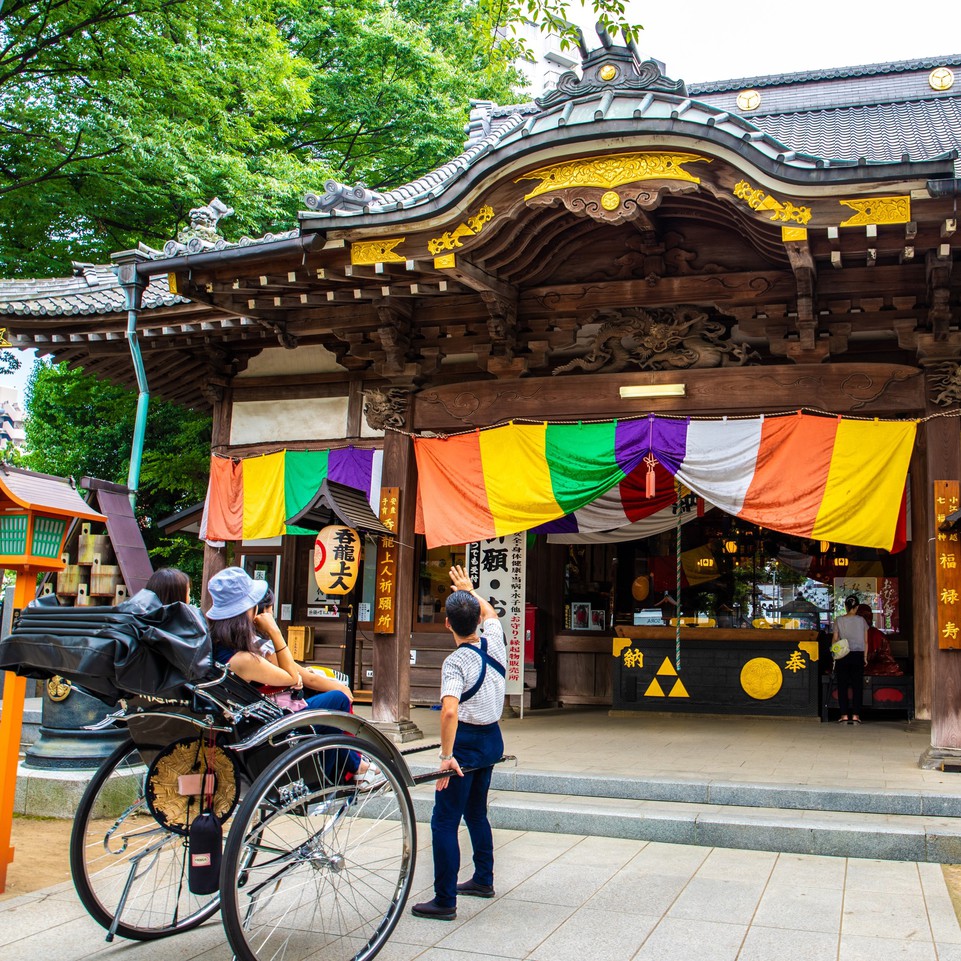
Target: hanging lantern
(730, 547)
(336, 559)
(825, 546)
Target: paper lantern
(336, 559)
(640, 588)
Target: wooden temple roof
(812, 215)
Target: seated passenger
(235, 626)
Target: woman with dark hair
(315, 681)
(170, 585)
(237, 628)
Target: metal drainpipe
(133, 288)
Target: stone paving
(571, 898)
(564, 897)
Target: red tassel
(650, 489)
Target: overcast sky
(705, 40)
(702, 40)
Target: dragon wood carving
(945, 384)
(662, 338)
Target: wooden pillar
(937, 672)
(390, 704)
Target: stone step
(742, 794)
(894, 837)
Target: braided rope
(677, 591)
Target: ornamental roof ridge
(827, 73)
(611, 67)
(201, 234)
(342, 200)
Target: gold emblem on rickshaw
(58, 688)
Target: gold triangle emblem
(667, 668)
(654, 689)
(679, 690)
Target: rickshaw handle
(437, 775)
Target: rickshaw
(315, 862)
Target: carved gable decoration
(607, 188)
(662, 338)
(614, 68)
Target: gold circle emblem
(761, 678)
(58, 689)
(941, 79)
(607, 72)
(610, 200)
(749, 100)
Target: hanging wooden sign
(385, 592)
(947, 566)
(336, 559)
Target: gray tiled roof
(921, 129)
(877, 113)
(868, 70)
(93, 289)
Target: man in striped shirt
(472, 700)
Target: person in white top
(472, 700)
(849, 670)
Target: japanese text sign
(498, 568)
(947, 566)
(385, 585)
(336, 559)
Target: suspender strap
(486, 659)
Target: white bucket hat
(233, 591)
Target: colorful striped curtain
(811, 476)
(250, 499)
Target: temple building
(674, 369)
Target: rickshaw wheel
(317, 865)
(116, 840)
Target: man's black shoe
(431, 909)
(474, 890)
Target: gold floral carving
(613, 171)
(610, 200)
(793, 233)
(783, 211)
(366, 252)
(3, 338)
(453, 238)
(878, 210)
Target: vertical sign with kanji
(498, 568)
(385, 585)
(948, 566)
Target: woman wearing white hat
(234, 625)
(233, 629)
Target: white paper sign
(498, 567)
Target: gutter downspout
(133, 288)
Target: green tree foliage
(78, 425)
(119, 116)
